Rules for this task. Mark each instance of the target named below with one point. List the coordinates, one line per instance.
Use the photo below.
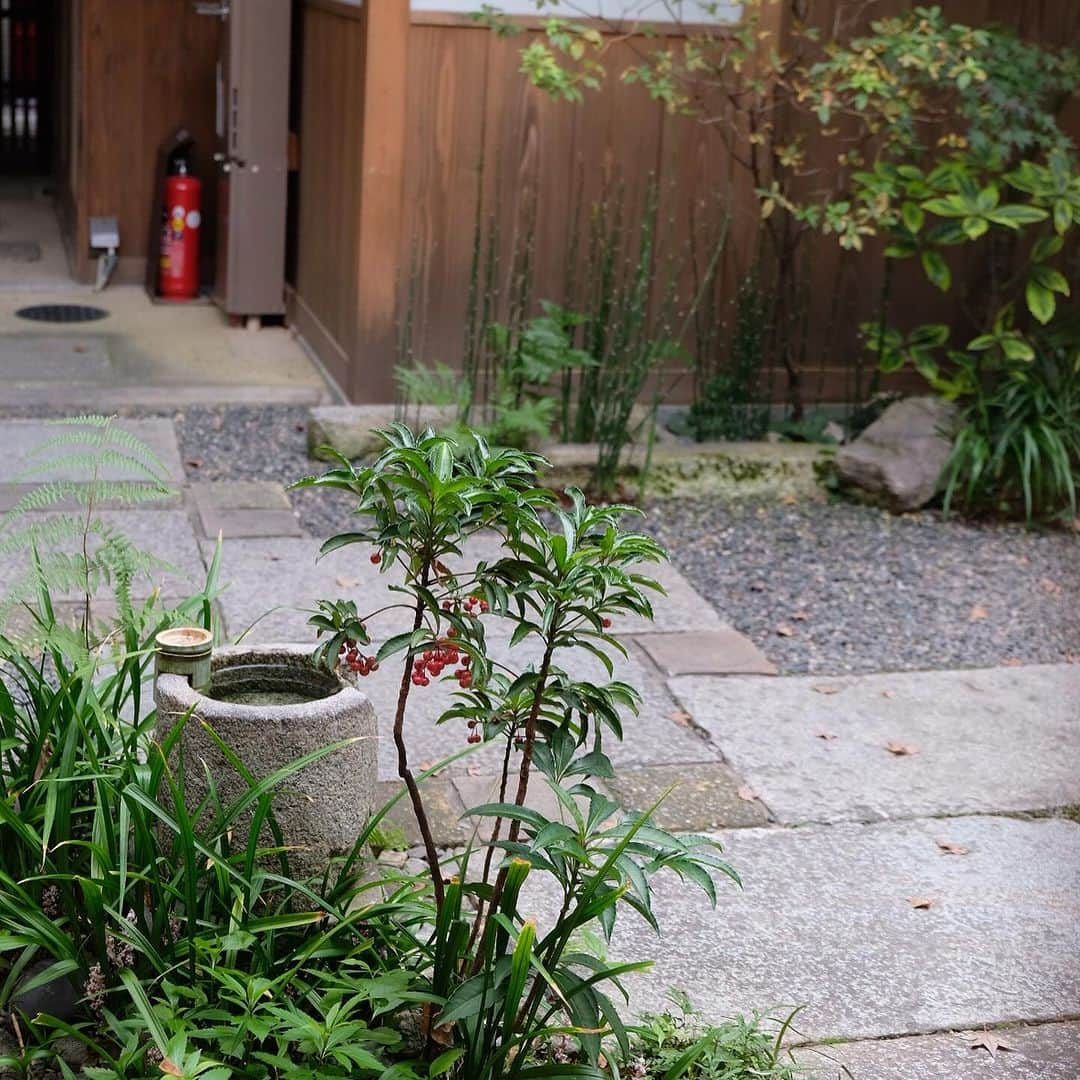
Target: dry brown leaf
(888, 693)
(952, 848)
(989, 1041)
(194, 462)
(746, 793)
(921, 903)
(978, 612)
(825, 689)
(344, 582)
(821, 733)
(1011, 661)
(800, 616)
(1050, 585)
(901, 749)
(170, 1068)
(786, 631)
(679, 717)
(790, 500)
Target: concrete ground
(908, 842)
(142, 353)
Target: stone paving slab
(699, 797)
(281, 573)
(18, 439)
(243, 508)
(444, 808)
(166, 534)
(706, 652)
(995, 739)
(1039, 1052)
(824, 920)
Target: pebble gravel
(829, 588)
(259, 443)
(821, 587)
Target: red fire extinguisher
(181, 216)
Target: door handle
(207, 7)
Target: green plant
(503, 987)
(679, 1045)
(728, 401)
(1018, 440)
(182, 942)
(914, 89)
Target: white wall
(654, 11)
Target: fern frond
(91, 463)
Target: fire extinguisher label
(193, 219)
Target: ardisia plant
(505, 983)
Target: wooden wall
(469, 131)
(146, 67)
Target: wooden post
(379, 200)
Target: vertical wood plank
(385, 26)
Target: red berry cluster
(476, 605)
(474, 735)
(431, 662)
(356, 660)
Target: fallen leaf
(679, 717)
(988, 1041)
(951, 848)
(786, 631)
(344, 582)
(888, 693)
(1050, 585)
(800, 616)
(194, 462)
(473, 770)
(746, 793)
(978, 612)
(901, 749)
(1011, 661)
(825, 689)
(921, 903)
(790, 500)
(821, 733)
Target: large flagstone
(825, 920)
(816, 749)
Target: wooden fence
(415, 126)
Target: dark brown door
(252, 154)
(26, 86)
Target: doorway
(34, 84)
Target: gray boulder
(898, 459)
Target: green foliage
(678, 1045)
(80, 552)
(503, 988)
(1018, 444)
(728, 402)
(183, 942)
(902, 112)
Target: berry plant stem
(403, 754)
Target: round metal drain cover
(62, 313)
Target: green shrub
(503, 988)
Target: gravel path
(821, 587)
(259, 443)
(835, 587)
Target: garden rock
(899, 457)
(351, 429)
